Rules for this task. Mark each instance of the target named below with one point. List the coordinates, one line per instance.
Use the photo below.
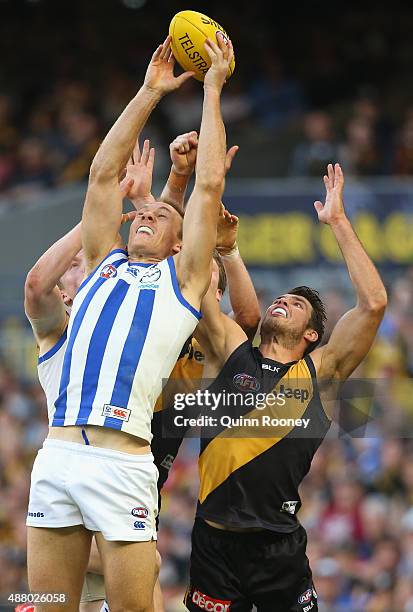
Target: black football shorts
(231, 572)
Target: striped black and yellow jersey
(250, 472)
(184, 378)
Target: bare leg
(56, 562)
(129, 569)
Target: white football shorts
(104, 490)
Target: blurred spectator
(275, 98)
(311, 156)
(33, 170)
(359, 154)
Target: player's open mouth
(279, 312)
(144, 229)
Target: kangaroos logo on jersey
(245, 382)
(108, 271)
(151, 276)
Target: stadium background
(313, 84)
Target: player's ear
(67, 300)
(311, 335)
(219, 294)
(176, 248)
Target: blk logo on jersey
(108, 271)
(245, 382)
(140, 512)
(272, 368)
(115, 412)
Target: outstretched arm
(200, 221)
(244, 301)
(103, 205)
(354, 333)
(217, 333)
(183, 152)
(43, 301)
(42, 298)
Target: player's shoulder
(324, 365)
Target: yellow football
(189, 30)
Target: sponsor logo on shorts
(36, 514)
(245, 382)
(108, 271)
(139, 525)
(209, 604)
(115, 412)
(140, 512)
(289, 506)
(305, 597)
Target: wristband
(231, 254)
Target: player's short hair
(222, 279)
(318, 314)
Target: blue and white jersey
(49, 368)
(127, 327)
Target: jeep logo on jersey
(140, 512)
(296, 393)
(245, 382)
(289, 506)
(210, 605)
(305, 597)
(108, 271)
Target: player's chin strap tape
(85, 437)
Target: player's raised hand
(183, 152)
(128, 217)
(332, 210)
(137, 182)
(221, 54)
(227, 231)
(160, 76)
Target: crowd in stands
(357, 498)
(302, 93)
(314, 85)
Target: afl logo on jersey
(108, 271)
(245, 382)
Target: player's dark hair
(222, 279)
(318, 314)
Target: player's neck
(270, 348)
(142, 258)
